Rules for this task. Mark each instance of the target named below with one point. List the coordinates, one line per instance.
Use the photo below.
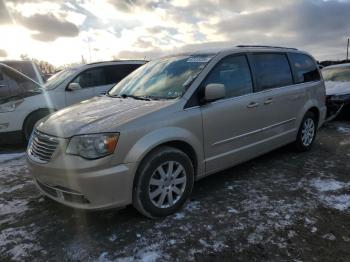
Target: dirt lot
(280, 207)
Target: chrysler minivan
(23, 101)
(176, 120)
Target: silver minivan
(173, 121)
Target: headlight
(10, 106)
(93, 146)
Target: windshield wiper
(145, 98)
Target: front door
(87, 80)
(231, 125)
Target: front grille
(42, 146)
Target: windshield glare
(166, 78)
(58, 78)
(340, 74)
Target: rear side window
(116, 73)
(234, 73)
(272, 70)
(1, 76)
(91, 77)
(305, 68)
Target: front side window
(305, 68)
(336, 74)
(58, 78)
(272, 70)
(234, 73)
(90, 78)
(165, 78)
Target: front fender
(161, 136)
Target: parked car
(28, 68)
(25, 107)
(173, 121)
(337, 81)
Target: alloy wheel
(308, 132)
(167, 184)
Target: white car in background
(337, 82)
(23, 101)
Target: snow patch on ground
(22, 240)
(340, 202)
(325, 185)
(179, 216)
(147, 254)
(9, 157)
(328, 193)
(13, 206)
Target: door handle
(2, 85)
(252, 105)
(268, 101)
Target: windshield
(17, 85)
(58, 78)
(339, 74)
(166, 78)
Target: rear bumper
(90, 190)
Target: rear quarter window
(305, 68)
(272, 70)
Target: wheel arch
(178, 138)
(43, 109)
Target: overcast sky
(63, 31)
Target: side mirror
(214, 92)
(73, 87)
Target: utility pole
(347, 50)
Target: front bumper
(89, 189)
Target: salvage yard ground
(282, 206)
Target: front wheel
(307, 133)
(163, 183)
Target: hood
(99, 114)
(337, 88)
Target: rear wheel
(31, 121)
(307, 133)
(163, 183)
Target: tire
(154, 187)
(307, 133)
(31, 121)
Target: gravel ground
(280, 207)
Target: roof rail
(267, 46)
(118, 60)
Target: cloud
(4, 15)
(130, 5)
(49, 27)
(3, 53)
(311, 25)
(147, 55)
(161, 29)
